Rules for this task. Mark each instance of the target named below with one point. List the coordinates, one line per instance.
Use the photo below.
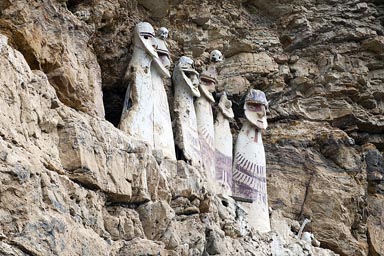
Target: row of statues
(202, 141)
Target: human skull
(216, 56)
(162, 33)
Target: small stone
(374, 44)
(293, 59)
(281, 59)
(362, 6)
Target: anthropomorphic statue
(137, 118)
(249, 172)
(163, 135)
(223, 145)
(204, 114)
(186, 82)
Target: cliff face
(73, 184)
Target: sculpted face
(216, 56)
(190, 75)
(163, 33)
(225, 106)
(162, 49)
(208, 82)
(208, 77)
(145, 38)
(255, 107)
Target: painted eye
(254, 107)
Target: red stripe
(256, 135)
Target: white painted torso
(249, 175)
(206, 132)
(223, 153)
(137, 120)
(163, 134)
(186, 135)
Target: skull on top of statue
(216, 56)
(162, 33)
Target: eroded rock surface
(73, 184)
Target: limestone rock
(51, 41)
(375, 229)
(327, 93)
(157, 220)
(234, 85)
(122, 223)
(159, 11)
(140, 246)
(248, 63)
(99, 160)
(375, 44)
(310, 199)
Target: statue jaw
(161, 68)
(206, 90)
(192, 80)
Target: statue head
(145, 38)
(208, 77)
(185, 68)
(216, 56)
(255, 108)
(162, 49)
(162, 33)
(225, 106)
(208, 82)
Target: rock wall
(73, 184)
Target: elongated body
(206, 132)
(163, 134)
(249, 166)
(145, 115)
(205, 125)
(137, 116)
(223, 146)
(185, 79)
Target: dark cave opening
(71, 4)
(113, 99)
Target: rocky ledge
(74, 184)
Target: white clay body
(249, 176)
(137, 116)
(187, 137)
(185, 80)
(223, 154)
(145, 114)
(163, 134)
(206, 133)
